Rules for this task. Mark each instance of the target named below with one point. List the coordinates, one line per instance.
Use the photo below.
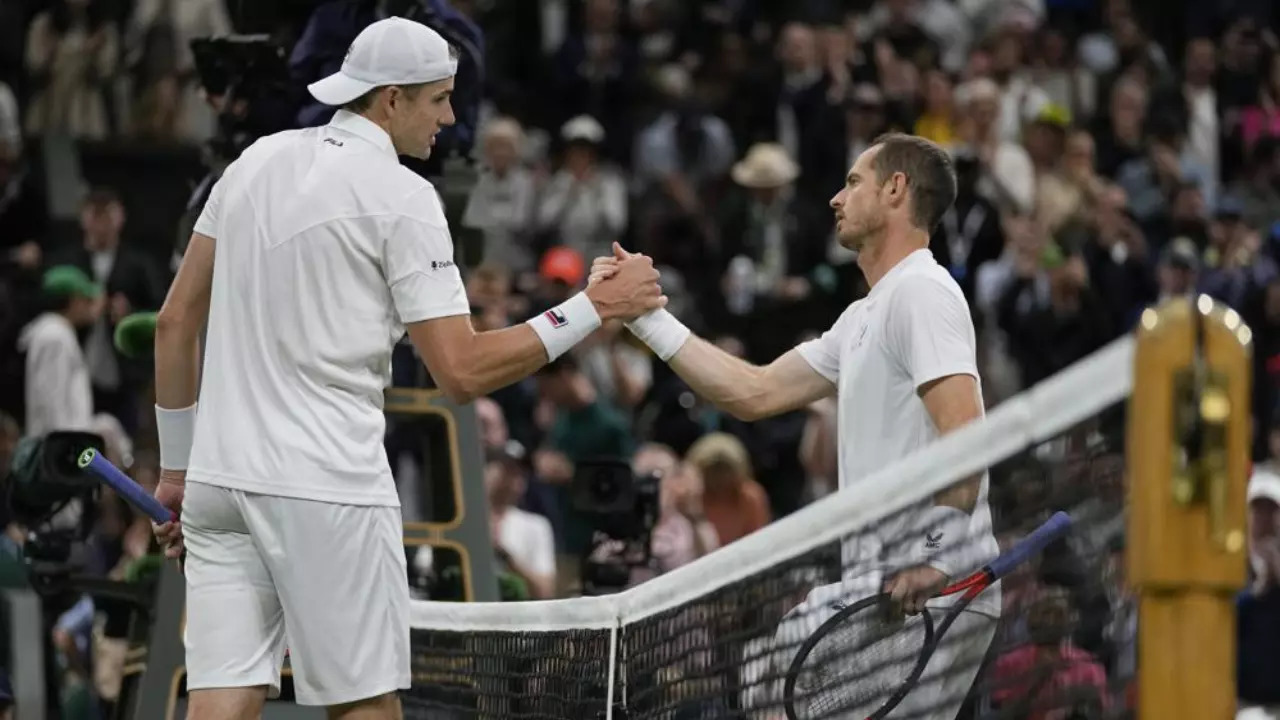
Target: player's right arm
(466, 364)
(748, 391)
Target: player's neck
(877, 259)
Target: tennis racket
(861, 664)
(133, 493)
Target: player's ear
(895, 189)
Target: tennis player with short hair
(315, 253)
(902, 363)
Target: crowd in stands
(1110, 154)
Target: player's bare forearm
(466, 364)
(953, 402)
(747, 391)
(178, 326)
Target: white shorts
(327, 581)
(947, 678)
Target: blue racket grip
(1033, 544)
(131, 491)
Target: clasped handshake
(624, 286)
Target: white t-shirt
(58, 392)
(326, 248)
(528, 538)
(912, 328)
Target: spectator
(158, 57)
(59, 395)
(683, 533)
(1055, 321)
(619, 369)
(1021, 101)
(795, 108)
(579, 426)
(680, 160)
(1261, 119)
(595, 75)
(72, 51)
(1177, 273)
(522, 540)
(778, 230)
(1258, 607)
(584, 205)
(1008, 175)
(131, 284)
(1049, 678)
(1235, 269)
(735, 503)
(1056, 72)
(1150, 181)
(1258, 188)
(501, 203)
(1119, 133)
(970, 233)
(937, 121)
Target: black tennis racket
(861, 664)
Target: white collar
(364, 128)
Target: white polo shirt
(913, 327)
(326, 247)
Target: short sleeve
(930, 330)
(207, 223)
(823, 353)
(417, 260)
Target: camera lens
(604, 489)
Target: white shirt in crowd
(912, 328)
(502, 207)
(326, 247)
(587, 215)
(528, 538)
(59, 395)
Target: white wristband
(566, 325)
(176, 430)
(661, 331)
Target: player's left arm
(178, 326)
(930, 332)
(954, 401)
(177, 358)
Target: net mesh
(715, 639)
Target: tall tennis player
(902, 364)
(315, 253)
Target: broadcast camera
(248, 78)
(52, 498)
(622, 509)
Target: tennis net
(717, 638)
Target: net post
(1189, 437)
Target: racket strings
(858, 665)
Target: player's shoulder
(417, 198)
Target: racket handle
(1033, 544)
(131, 491)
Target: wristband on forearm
(566, 325)
(661, 331)
(175, 430)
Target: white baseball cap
(394, 51)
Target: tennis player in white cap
(327, 252)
